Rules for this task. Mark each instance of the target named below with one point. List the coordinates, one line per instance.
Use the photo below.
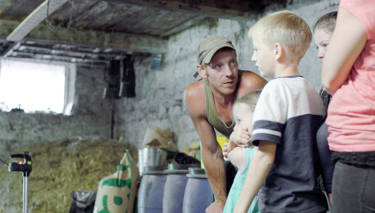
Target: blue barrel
(174, 188)
(150, 194)
(198, 193)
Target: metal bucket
(151, 157)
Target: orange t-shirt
(351, 113)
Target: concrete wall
(91, 116)
(159, 99)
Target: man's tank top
(212, 115)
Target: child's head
(243, 109)
(323, 30)
(284, 28)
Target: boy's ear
(202, 71)
(278, 51)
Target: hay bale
(59, 168)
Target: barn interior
(110, 75)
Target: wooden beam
(123, 41)
(35, 18)
(183, 25)
(46, 57)
(234, 9)
(64, 52)
(11, 49)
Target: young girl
(241, 156)
(323, 30)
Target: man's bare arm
(211, 152)
(213, 162)
(250, 82)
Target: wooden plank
(183, 26)
(46, 57)
(35, 18)
(234, 9)
(11, 49)
(71, 52)
(124, 41)
(17, 9)
(230, 9)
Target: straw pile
(59, 168)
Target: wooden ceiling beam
(123, 41)
(234, 9)
(230, 9)
(35, 18)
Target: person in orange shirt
(348, 73)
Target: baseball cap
(210, 46)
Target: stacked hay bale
(59, 168)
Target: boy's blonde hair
(250, 99)
(326, 22)
(286, 28)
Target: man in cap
(209, 102)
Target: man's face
(263, 58)
(222, 72)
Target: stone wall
(159, 99)
(91, 117)
(159, 93)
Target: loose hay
(59, 168)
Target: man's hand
(240, 136)
(215, 207)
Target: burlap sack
(117, 192)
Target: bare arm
(213, 162)
(347, 42)
(211, 152)
(250, 82)
(258, 171)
